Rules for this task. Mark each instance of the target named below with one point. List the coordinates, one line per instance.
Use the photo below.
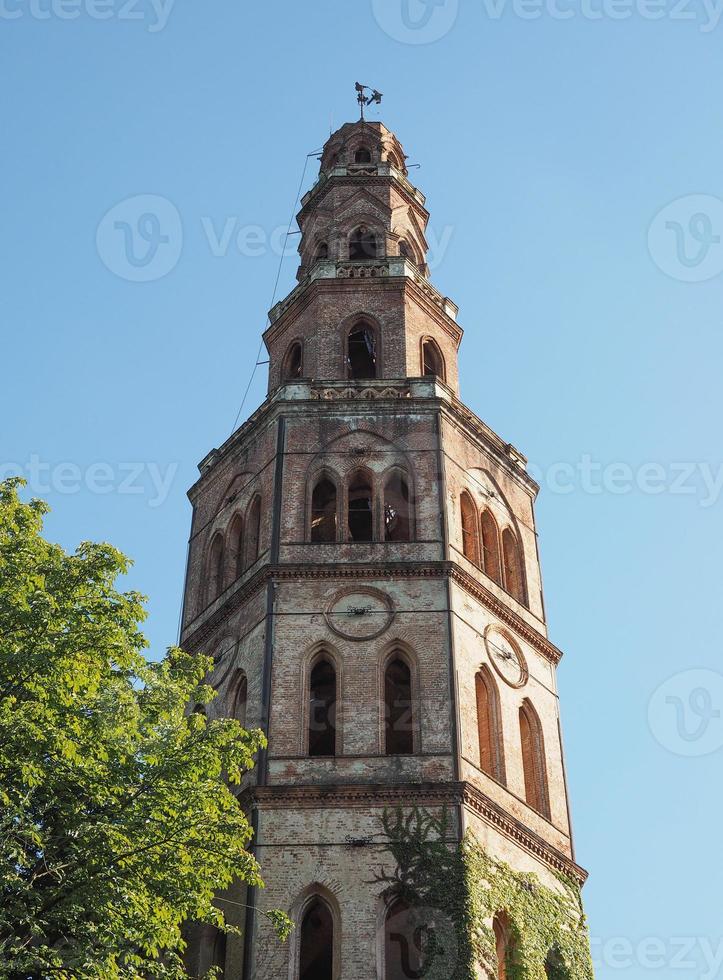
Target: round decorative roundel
(506, 656)
(360, 614)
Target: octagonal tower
(363, 566)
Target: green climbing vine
(458, 889)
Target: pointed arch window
(361, 354)
(396, 508)
(470, 540)
(489, 727)
(218, 955)
(504, 945)
(403, 955)
(404, 249)
(235, 546)
(363, 155)
(322, 709)
(432, 360)
(253, 531)
(322, 251)
(316, 942)
(293, 361)
(491, 546)
(215, 568)
(398, 709)
(533, 760)
(362, 244)
(361, 508)
(323, 511)
(512, 565)
(238, 697)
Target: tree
(117, 816)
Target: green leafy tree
(117, 818)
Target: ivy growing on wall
(456, 889)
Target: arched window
(470, 540)
(432, 360)
(361, 356)
(235, 548)
(491, 547)
(533, 760)
(215, 568)
(512, 563)
(293, 361)
(218, 956)
(323, 511)
(391, 159)
(322, 251)
(362, 244)
(361, 512)
(489, 726)
(403, 939)
(316, 942)
(238, 697)
(253, 530)
(503, 945)
(404, 249)
(322, 709)
(396, 508)
(362, 155)
(398, 709)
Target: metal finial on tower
(363, 99)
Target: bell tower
(363, 567)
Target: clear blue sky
(547, 148)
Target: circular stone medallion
(360, 614)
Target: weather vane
(363, 99)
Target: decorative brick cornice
(491, 813)
(379, 795)
(194, 637)
(483, 595)
(366, 392)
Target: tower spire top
(366, 95)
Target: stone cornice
(376, 795)
(475, 800)
(194, 636)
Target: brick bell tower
(363, 567)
